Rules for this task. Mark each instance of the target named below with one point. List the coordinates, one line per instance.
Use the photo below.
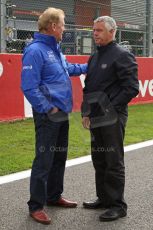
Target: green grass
(140, 124)
(17, 138)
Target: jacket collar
(47, 39)
(104, 48)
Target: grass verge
(17, 138)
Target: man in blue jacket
(47, 86)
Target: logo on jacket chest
(104, 66)
(51, 56)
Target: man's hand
(53, 110)
(86, 122)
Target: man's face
(58, 29)
(101, 34)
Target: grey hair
(110, 23)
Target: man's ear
(112, 31)
(53, 26)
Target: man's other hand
(86, 122)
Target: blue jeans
(47, 175)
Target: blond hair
(50, 15)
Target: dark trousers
(108, 160)
(48, 167)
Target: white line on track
(77, 161)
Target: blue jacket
(46, 75)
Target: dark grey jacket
(113, 71)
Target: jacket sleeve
(76, 69)
(32, 64)
(127, 74)
(73, 69)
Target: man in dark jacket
(110, 85)
(47, 86)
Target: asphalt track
(80, 186)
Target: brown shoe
(63, 203)
(40, 216)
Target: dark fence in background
(133, 17)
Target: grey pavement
(80, 186)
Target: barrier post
(2, 25)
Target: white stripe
(14, 176)
(138, 146)
(77, 161)
(82, 78)
(27, 108)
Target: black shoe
(93, 204)
(112, 214)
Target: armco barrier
(13, 105)
(11, 97)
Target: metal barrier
(133, 17)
